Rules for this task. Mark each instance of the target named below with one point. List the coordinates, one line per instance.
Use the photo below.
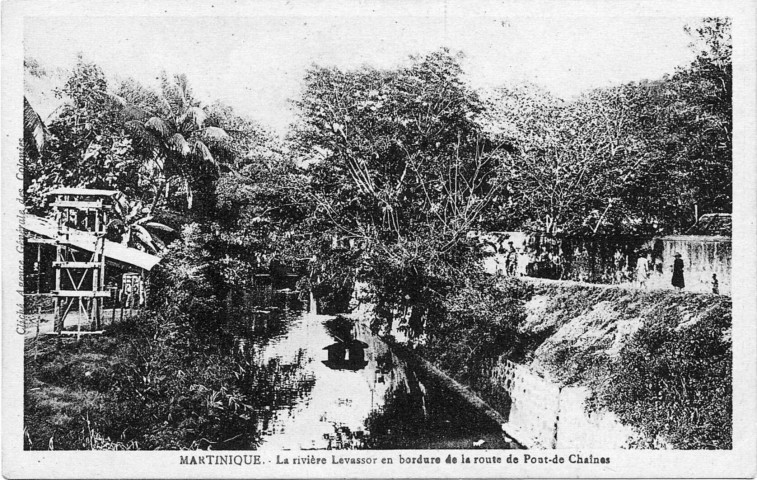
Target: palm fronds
(35, 132)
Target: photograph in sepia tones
(492, 233)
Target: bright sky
(256, 64)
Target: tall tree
(684, 122)
(86, 146)
(400, 149)
(402, 167)
(266, 201)
(570, 158)
(170, 130)
(705, 116)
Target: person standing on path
(678, 272)
(715, 284)
(555, 259)
(642, 270)
(511, 261)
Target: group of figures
(647, 265)
(531, 261)
(639, 266)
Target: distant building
(712, 224)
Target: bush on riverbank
(480, 322)
(138, 388)
(133, 387)
(676, 383)
(661, 360)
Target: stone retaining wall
(545, 415)
(534, 407)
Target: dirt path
(46, 324)
(650, 287)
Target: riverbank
(653, 367)
(659, 361)
(274, 387)
(147, 384)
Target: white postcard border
(739, 462)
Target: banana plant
(136, 227)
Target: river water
(344, 388)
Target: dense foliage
(671, 378)
(635, 158)
(481, 323)
(143, 387)
(175, 377)
(404, 171)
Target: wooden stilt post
(112, 306)
(96, 313)
(78, 319)
(57, 321)
(57, 318)
(36, 334)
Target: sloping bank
(598, 366)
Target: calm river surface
(339, 387)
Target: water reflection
(336, 386)
(347, 353)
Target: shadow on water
(327, 383)
(421, 413)
(264, 388)
(271, 388)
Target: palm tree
(35, 132)
(175, 134)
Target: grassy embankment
(661, 360)
(147, 385)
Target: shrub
(480, 323)
(676, 383)
(153, 392)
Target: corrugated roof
(86, 241)
(712, 224)
(84, 191)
